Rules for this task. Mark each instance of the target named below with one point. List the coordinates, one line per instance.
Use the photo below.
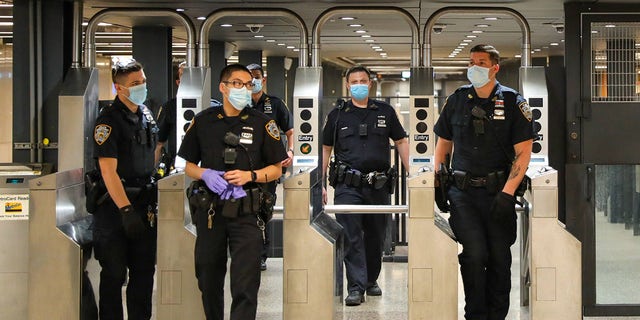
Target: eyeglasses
(239, 84)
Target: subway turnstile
(553, 253)
(312, 251)
(58, 229)
(433, 256)
(177, 296)
(14, 232)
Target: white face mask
(239, 98)
(478, 76)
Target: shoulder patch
(526, 110)
(272, 130)
(101, 133)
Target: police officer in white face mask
(490, 129)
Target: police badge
(101, 133)
(272, 130)
(526, 111)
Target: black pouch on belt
(348, 178)
(231, 207)
(251, 203)
(461, 179)
(356, 180)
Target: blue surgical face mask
(478, 76)
(239, 98)
(359, 91)
(138, 94)
(257, 85)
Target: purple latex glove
(214, 180)
(233, 191)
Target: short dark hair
(494, 55)
(357, 68)
(176, 69)
(228, 70)
(255, 66)
(122, 68)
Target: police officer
(360, 131)
(124, 232)
(231, 169)
(277, 110)
(489, 128)
(166, 148)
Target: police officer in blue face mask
(124, 229)
(489, 128)
(358, 132)
(237, 149)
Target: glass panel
(617, 226)
(615, 63)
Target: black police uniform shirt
(276, 109)
(510, 122)
(129, 137)
(363, 134)
(167, 125)
(259, 135)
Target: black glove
(441, 199)
(503, 206)
(132, 222)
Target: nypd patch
(526, 111)
(101, 133)
(272, 130)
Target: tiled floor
(390, 306)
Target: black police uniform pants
(363, 235)
(485, 261)
(265, 246)
(244, 241)
(116, 252)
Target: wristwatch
(291, 149)
(254, 176)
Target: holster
(259, 201)
(392, 173)
(267, 202)
(95, 190)
(199, 197)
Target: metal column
(178, 296)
